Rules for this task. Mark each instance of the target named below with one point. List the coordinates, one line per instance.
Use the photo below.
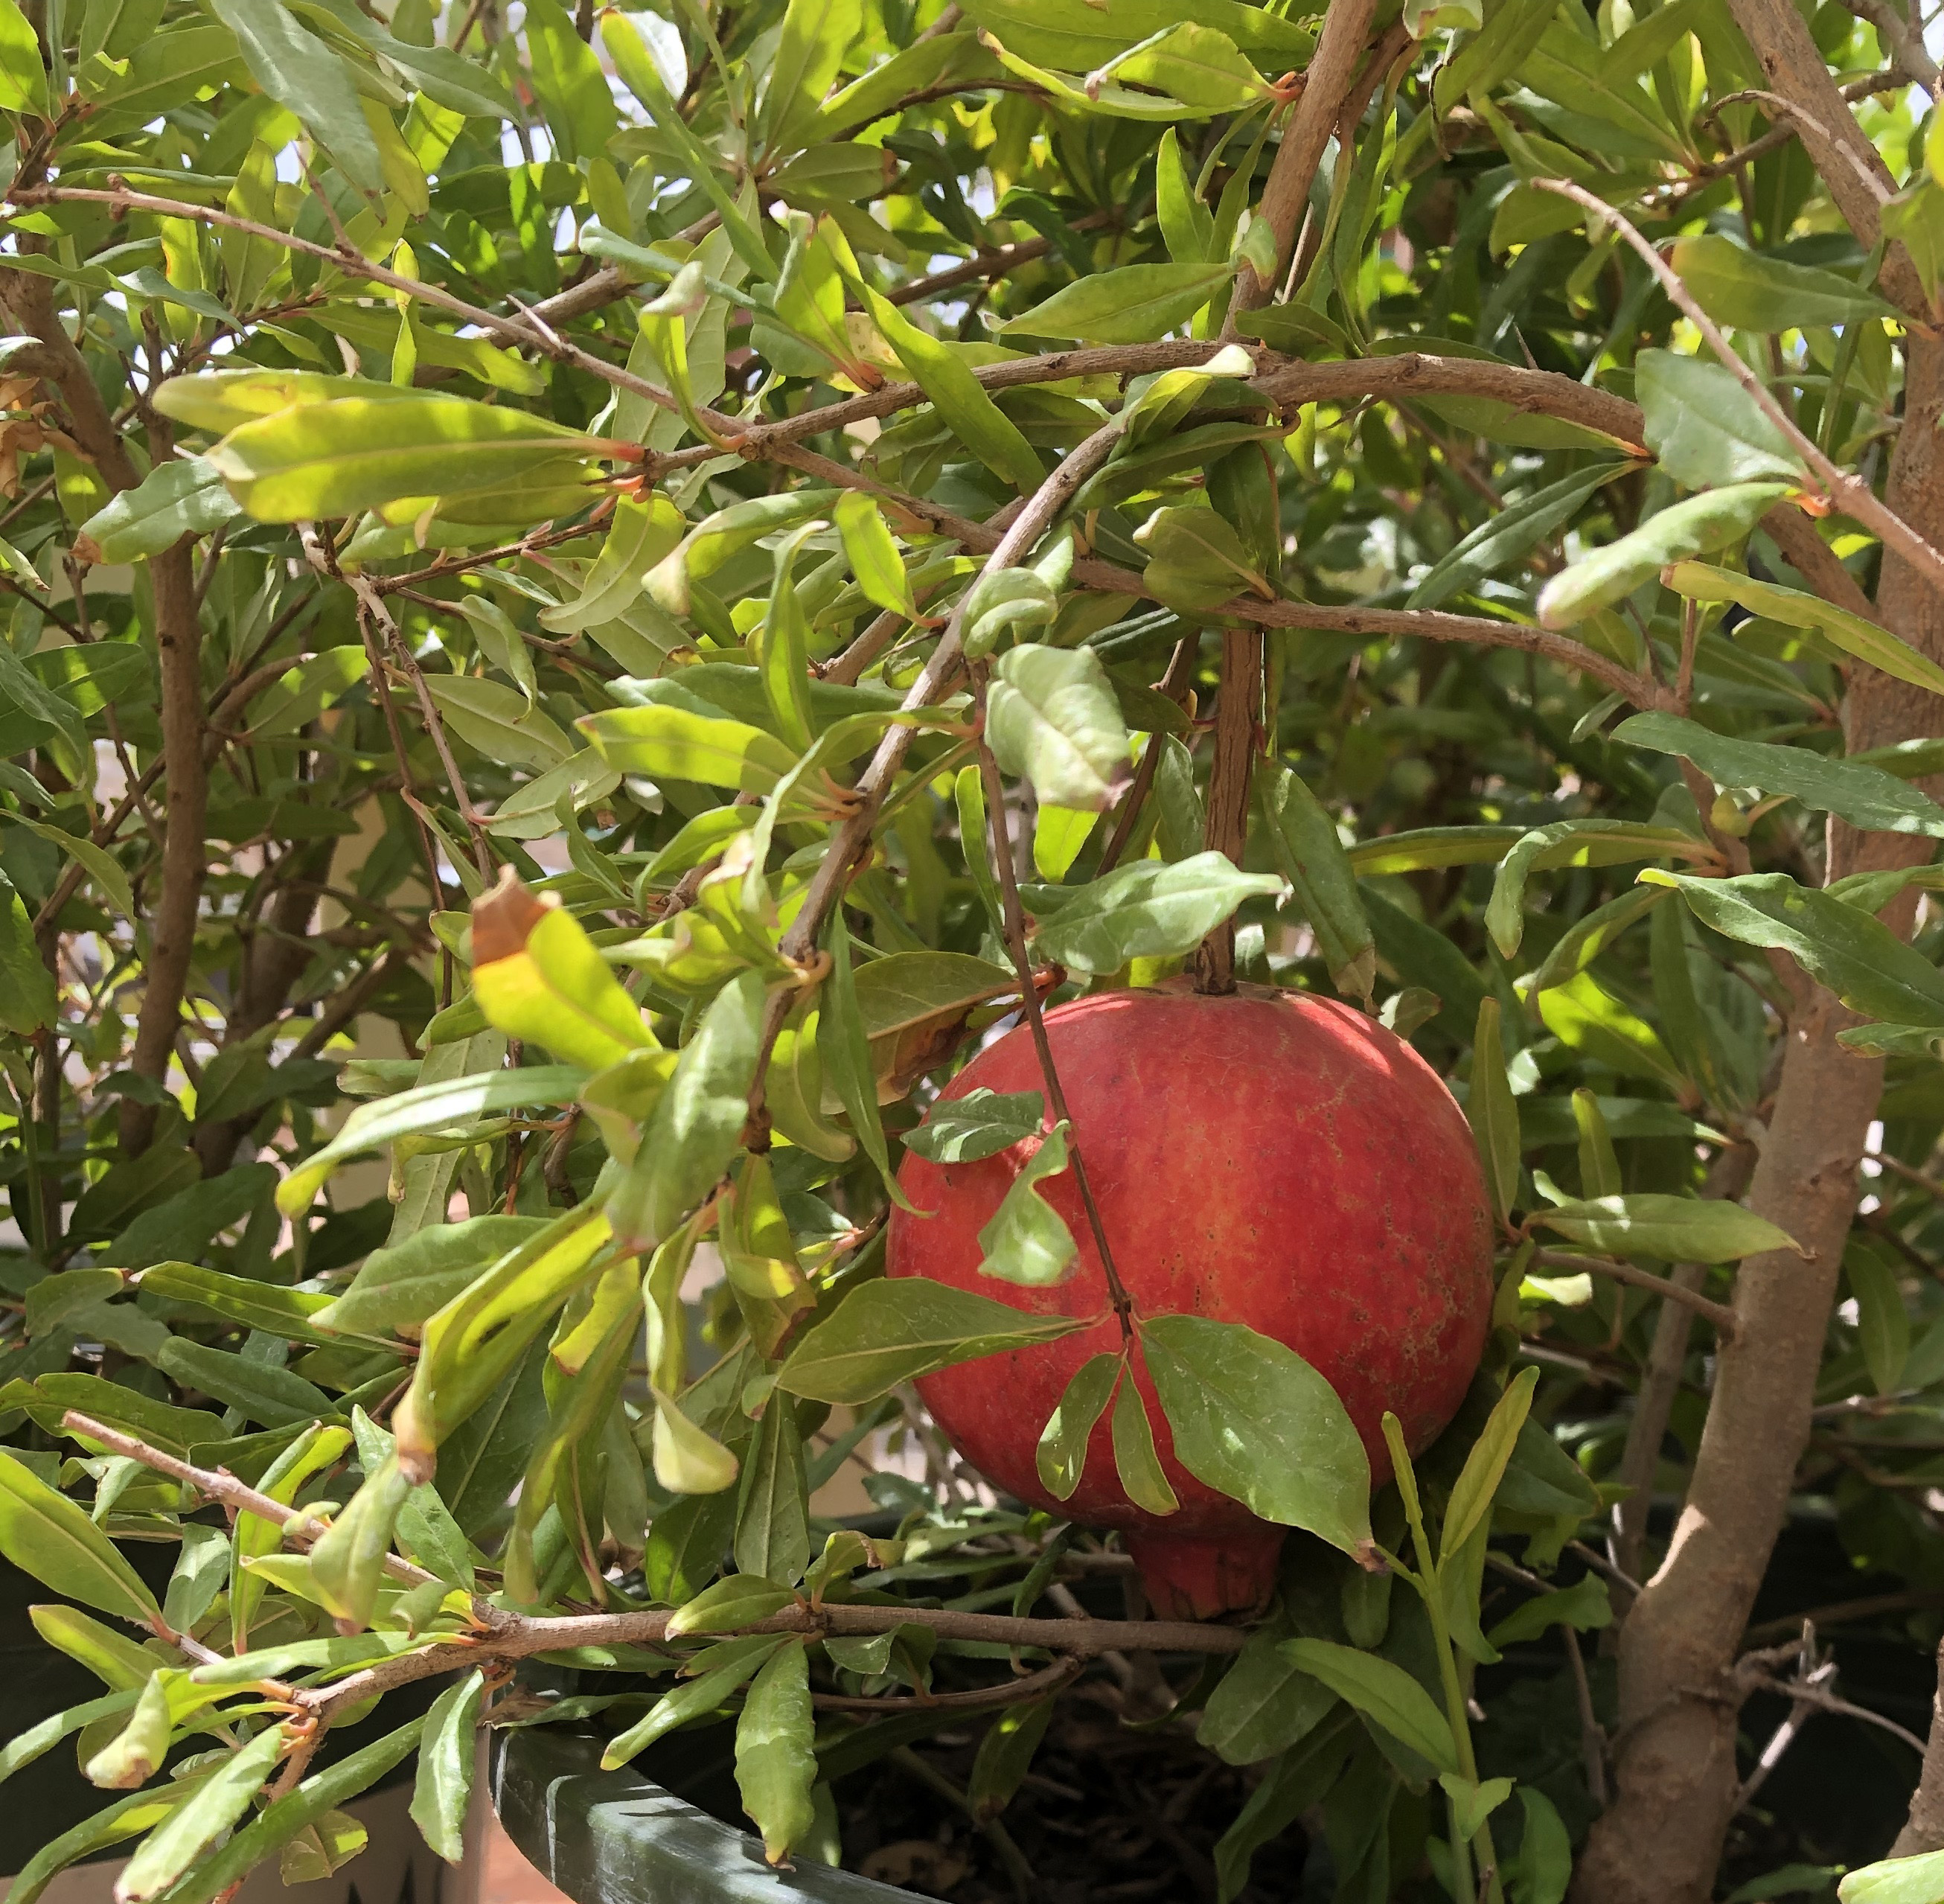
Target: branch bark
(179, 640)
(1238, 708)
(1327, 83)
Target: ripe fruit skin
(1268, 1158)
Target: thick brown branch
(1327, 82)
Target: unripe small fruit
(1272, 1158)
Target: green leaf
(174, 500)
(1262, 1705)
(98, 864)
(202, 1819)
(241, 1299)
(1857, 957)
(1493, 1112)
(736, 1600)
(428, 1107)
(29, 997)
(1470, 1503)
(38, 1740)
(1061, 1457)
(278, 1824)
(1136, 1463)
(700, 1696)
(1704, 427)
(571, 88)
(873, 555)
(23, 81)
(773, 1516)
(687, 1459)
(1506, 534)
(1674, 1229)
(776, 1738)
(126, 1818)
(1026, 1240)
(1585, 1606)
(538, 977)
(675, 743)
(1051, 717)
(1853, 634)
(844, 1047)
(698, 1126)
(273, 1396)
(981, 1124)
(1698, 527)
(1308, 850)
(1254, 1421)
(1195, 560)
(887, 1332)
(1864, 796)
(498, 722)
(1148, 910)
(304, 76)
(349, 453)
(347, 1563)
(135, 1754)
(1918, 1880)
(1383, 1693)
(443, 1791)
(476, 1340)
(399, 1285)
(1131, 305)
(45, 1534)
(1742, 288)
(1187, 228)
(947, 379)
(816, 35)
(1883, 1322)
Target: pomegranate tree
(1274, 1159)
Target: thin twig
(1719, 1314)
(1855, 495)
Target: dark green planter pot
(617, 1837)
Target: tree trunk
(1660, 1840)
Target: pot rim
(617, 1837)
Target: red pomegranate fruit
(1268, 1158)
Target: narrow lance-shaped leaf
(887, 1332)
(46, 1535)
(1697, 526)
(947, 379)
(1384, 1693)
(1470, 1503)
(196, 1824)
(1675, 1229)
(1312, 859)
(1136, 1465)
(873, 555)
(844, 1047)
(1853, 633)
(1493, 1112)
(1857, 957)
(1061, 1458)
(1861, 793)
(443, 1791)
(1148, 910)
(981, 1124)
(696, 1128)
